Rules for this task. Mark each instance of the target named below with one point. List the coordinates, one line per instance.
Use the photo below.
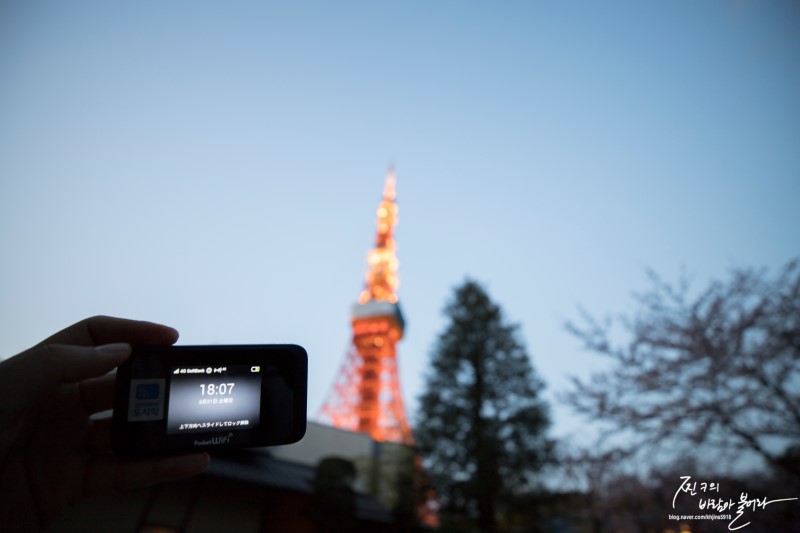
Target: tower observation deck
(366, 395)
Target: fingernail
(114, 349)
(174, 331)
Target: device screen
(178, 398)
(203, 399)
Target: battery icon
(255, 369)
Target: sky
(217, 166)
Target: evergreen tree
(481, 427)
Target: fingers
(100, 437)
(97, 394)
(66, 357)
(105, 329)
(28, 377)
(76, 363)
(107, 473)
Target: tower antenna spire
(381, 280)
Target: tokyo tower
(366, 395)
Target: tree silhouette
(481, 427)
(720, 368)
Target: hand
(52, 454)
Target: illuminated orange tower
(366, 396)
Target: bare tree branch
(720, 366)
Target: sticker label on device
(146, 402)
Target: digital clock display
(222, 398)
(222, 389)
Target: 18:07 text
(211, 389)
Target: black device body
(171, 399)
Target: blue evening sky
(216, 166)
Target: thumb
(75, 363)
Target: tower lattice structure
(366, 395)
